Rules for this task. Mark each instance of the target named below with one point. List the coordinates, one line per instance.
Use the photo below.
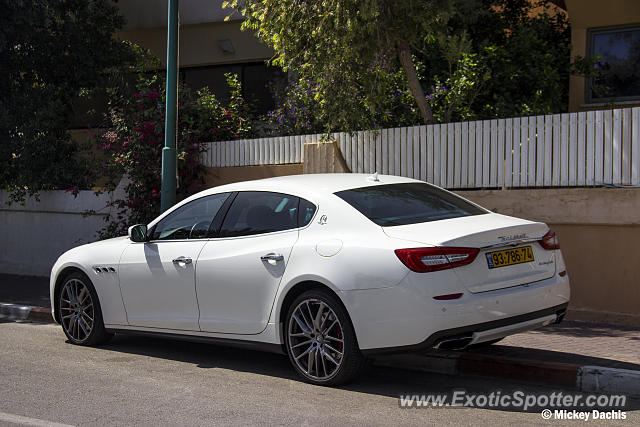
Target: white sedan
(328, 269)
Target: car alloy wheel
(317, 341)
(76, 310)
(320, 339)
(80, 313)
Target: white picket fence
(571, 149)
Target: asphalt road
(145, 381)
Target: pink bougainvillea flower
(153, 95)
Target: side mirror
(138, 233)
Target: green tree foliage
(134, 138)
(301, 107)
(452, 99)
(350, 50)
(524, 46)
(500, 58)
(51, 53)
(479, 59)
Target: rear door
(239, 271)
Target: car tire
(320, 340)
(80, 311)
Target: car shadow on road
(542, 355)
(579, 329)
(376, 380)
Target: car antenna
(374, 177)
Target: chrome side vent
(100, 269)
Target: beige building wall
(202, 29)
(599, 231)
(585, 14)
(199, 43)
(228, 175)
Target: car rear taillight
(422, 260)
(550, 241)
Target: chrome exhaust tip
(454, 343)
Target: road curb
(588, 379)
(598, 379)
(18, 312)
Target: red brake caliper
(339, 335)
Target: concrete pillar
(324, 157)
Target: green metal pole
(168, 193)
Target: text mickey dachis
(564, 414)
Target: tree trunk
(404, 55)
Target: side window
(306, 209)
(257, 212)
(191, 221)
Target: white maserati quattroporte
(327, 269)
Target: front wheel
(320, 340)
(80, 313)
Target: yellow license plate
(509, 257)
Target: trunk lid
(491, 233)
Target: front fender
(99, 262)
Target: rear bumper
(406, 317)
(473, 334)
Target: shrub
(134, 138)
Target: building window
(619, 64)
(254, 77)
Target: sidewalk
(591, 357)
(584, 355)
(616, 346)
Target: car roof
(311, 185)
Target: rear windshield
(408, 203)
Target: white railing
(571, 149)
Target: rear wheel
(320, 340)
(80, 313)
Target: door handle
(272, 257)
(182, 260)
